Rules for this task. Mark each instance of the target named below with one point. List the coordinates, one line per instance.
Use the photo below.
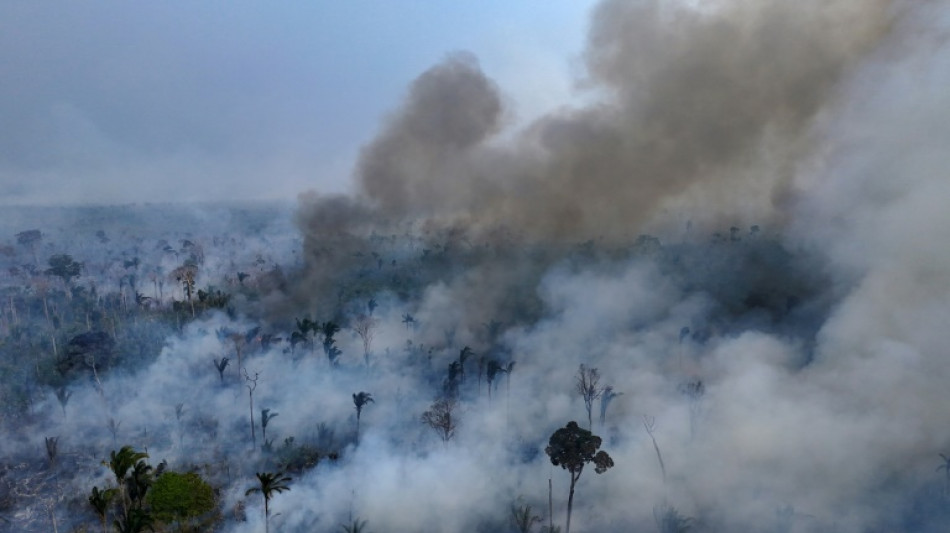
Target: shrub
(176, 497)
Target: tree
(669, 520)
(523, 517)
(329, 329)
(29, 239)
(100, 501)
(121, 463)
(221, 365)
(439, 418)
(266, 416)
(360, 399)
(178, 497)
(945, 466)
(305, 327)
(493, 369)
(365, 328)
(251, 384)
(356, 527)
(270, 483)
(186, 275)
(649, 423)
(52, 449)
(587, 385)
(133, 521)
(63, 395)
(571, 448)
(63, 266)
(605, 399)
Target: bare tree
(587, 384)
(52, 449)
(251, 384)
(649, 423)
(365, 327)
(439, 418)
(221, 365)
(62, 395)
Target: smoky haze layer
(692, 106)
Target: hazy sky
(113, 102)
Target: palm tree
(522, 516)
(100, 500)
(269, 484)
(138, 482)
(121, 462)
(360, 399)
(265, 418)
(133, 521)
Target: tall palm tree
(269, 484)
(360, 399)
(120, 463)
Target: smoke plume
(701, 112)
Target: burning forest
(710, 297)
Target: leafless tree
(251, 384)
(365, 327)
(587, 384)
(649, 423)
(440, 418)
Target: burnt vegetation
(108, 320)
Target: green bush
(176, 497)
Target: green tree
(133, 521)
(270, 483)
(177, 497)
(572, 448)
(121, 463)
(100, 501)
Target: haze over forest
(725, 259)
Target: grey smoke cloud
(697, 105)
